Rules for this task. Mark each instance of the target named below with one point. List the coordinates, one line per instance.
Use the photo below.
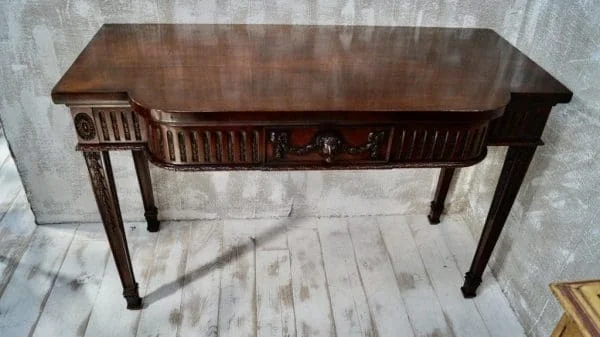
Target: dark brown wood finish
(513, 172)
(441, 191)
(274, 97)
(216, 69)
(103, 183)
(143, 174)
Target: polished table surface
(241, 68)
(232, 97)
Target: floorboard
(311, 297)
(237, 305)
(462, 314)
(109, 317)
(294, 277)
(274, 298)
(200, 301)
(348, 300)
(378, 279)
(162, 314)
(27, 291)
(69, 306)
(413, 280)
(490, 301)
(16, 228)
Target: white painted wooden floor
(359, 276)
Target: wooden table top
(271, 68)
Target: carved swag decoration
(328, 144)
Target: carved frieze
(425, 143)
(205, 145)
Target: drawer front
(328, 144)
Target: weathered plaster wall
(40, 39)
(553, 232)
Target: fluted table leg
(513, 171)
(103, 184)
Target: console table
(276, 97)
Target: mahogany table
(274, 97)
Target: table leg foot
(151, 216)
(441, 191)
(469, 288)
(435, 213)
(134, 301)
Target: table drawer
(328, 144)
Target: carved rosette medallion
(84, 124)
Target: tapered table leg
(513, 171)
(143, 175)
(103, 184)
(441, 191)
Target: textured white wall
(551, 233)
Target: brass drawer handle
(327, 144)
